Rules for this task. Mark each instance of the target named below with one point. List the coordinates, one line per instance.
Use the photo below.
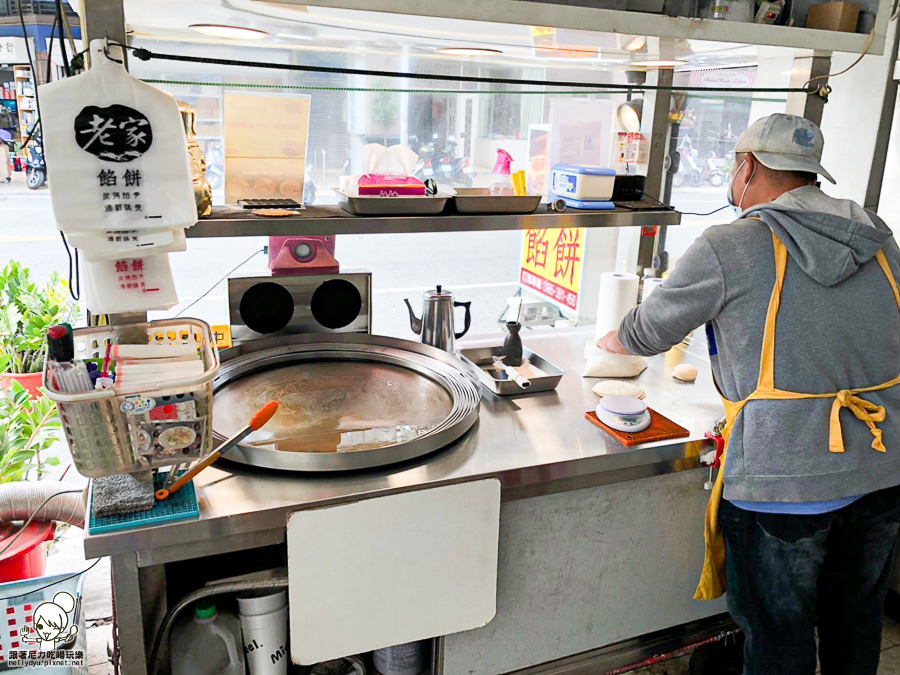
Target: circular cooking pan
(347, 401)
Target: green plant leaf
(26, 427)
(26, 312)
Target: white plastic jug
(209, 643)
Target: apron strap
(882, 261)
(766, 380)
(864, 410)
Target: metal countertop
(535, 444)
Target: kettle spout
(414, 322)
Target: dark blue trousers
(790, 575)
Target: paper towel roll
(650, 285)
(618, 295)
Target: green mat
(180, 506)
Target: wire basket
(115, 431)
(19, 600)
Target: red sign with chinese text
(551, 264)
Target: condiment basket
(112, 431)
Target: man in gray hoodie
(811, 505)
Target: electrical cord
(685, 213)
(823, 90)
(721, 208)
(75, 294)
(50, 48)
(210, 289)
(62, 39)
(71, 576)
(23, 528)
(147, 55)
(199, 594)
(32, 516)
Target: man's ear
(750, 165)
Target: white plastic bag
(116, 152)
(601, 363)
(116, 244)
(129, 285)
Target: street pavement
(481, 267)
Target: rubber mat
(661, 429)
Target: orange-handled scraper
(259, 419)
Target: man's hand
(610, 343)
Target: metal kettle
(436, 324)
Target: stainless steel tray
(348, 401)
(426, 205)
(480, 200)
(481, 360)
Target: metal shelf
(322, 220)
(558, 15)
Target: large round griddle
(347, 401)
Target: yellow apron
(712, 578)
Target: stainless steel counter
(535, 444)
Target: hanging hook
(106, 53)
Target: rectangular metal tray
(480, 358)
(393, 206)
(480, 200)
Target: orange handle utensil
(259, 419)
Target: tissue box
(384, 185)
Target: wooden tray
(661, 429)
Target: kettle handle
(468, 319)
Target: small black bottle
(512, 345)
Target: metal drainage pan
(481, 362)
(347, 401)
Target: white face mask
(738, 206)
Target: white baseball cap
(785, 143)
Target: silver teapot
(436, 324)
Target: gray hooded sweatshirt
(838, 328)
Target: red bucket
(31, 382)
(27, 557)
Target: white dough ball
(685, 372)
(618, 388)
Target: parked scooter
(688, 170)
(712, 172)
(461, 171)
(425, 167)
(35, 165)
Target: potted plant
(28, 427)
(26, 312)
